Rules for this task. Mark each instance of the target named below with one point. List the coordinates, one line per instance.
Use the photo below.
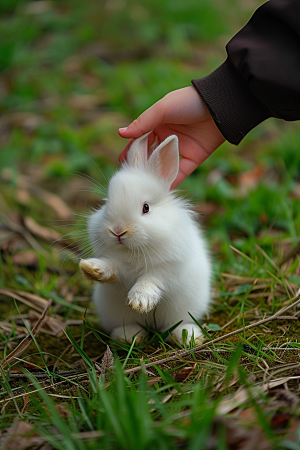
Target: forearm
(260, 77)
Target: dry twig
(31, 300)
(28, 339)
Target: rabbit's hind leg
(192, 330)
(127, 334)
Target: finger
(147, 121)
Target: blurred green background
(73, 72)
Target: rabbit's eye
(146, 208)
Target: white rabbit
(150, 257)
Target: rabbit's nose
(119, 235)
(118, 230)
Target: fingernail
(123, 129)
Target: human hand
(184, 113)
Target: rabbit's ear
(138, 151)
(164, 161)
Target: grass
(71, 74)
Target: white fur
(161, 263)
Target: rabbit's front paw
(143, 297)
(97, 270)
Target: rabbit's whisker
(153, 248)
(84, 215)
(147, 252)
(72, 248)
(91, 159)
(95, 183)
(68, 224)
(72, 233)
(91, 179)
(144, 258)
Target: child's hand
(184, 113)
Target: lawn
(72, 73)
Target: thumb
(147, 121)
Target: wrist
(233, 107)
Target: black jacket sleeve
(261, 76)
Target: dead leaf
(280, 420)
(206, 209)
(88, 435)
(38, 7)
(249, 180)
(62, 411)
(23, 196)
(21, 436)
(13, 224)
(272, 384)
(291, 254)
(214, 176)
(32, 300)
(52, 325)
(168, 397)
(54, 201)
(28, 258)
(8, 327)
(296, 190)
(182, 374)
(152, 381)
(66, 293)
(248, 416)
(107, 363)
(232, 401)
(9, 240)
(39, 231)
(242, 438)
(25, 404)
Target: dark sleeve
(261, 76)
